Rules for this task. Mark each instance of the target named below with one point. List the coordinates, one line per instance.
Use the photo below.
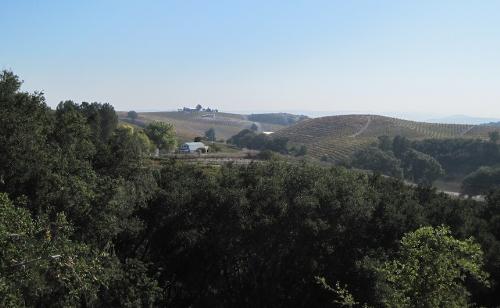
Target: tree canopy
(162, 135)
(88, 218)
(431, 270)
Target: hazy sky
(439, 57)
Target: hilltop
(337, 137)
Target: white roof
(194, 144)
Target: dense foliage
(460, 156)
(162, 135)
(481, 181)
(375, 159)
(250, 139)
(431, 269)
(87, 220)
(395, 157)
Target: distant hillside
(285, 119)
(496, 124)
(463, 119)
(191, 124)
(337, 137)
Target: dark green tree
(162, 135)
(400, 145)
(385, 143)
(421, 168)
(26, 152)
(494, 136)
(210, 134)
(375, 159)
(302, 151)
(132, 115)
(481, 181)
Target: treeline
(475, 161)
(249, 139)
(267, 144)
(87, 220)
(398, 158)
(461, 156)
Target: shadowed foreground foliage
(86, 220)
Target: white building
(193, 147)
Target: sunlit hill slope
(337, 137)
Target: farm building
(193, 147)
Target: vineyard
(191, 124)
(336, 138)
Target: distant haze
(430, 58)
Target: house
(193, 147)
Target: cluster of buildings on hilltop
(197, 109)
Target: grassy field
(337, 137)
(192, 124)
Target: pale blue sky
(440, 57)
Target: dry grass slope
(338, 137)
(191, 124)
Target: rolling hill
(191, 124)
(337, 137)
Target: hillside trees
(494, 136)
(251, 140)
(162, 135)
(132, 115)
(421, 168)
(385, 143)
(481, 181)
(460, 157)
(302, 151)
(397, 158)
(377, 160)
(210, 134)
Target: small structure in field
(193, 147)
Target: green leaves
(431, 269)
(40, 263)
(162, 135)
